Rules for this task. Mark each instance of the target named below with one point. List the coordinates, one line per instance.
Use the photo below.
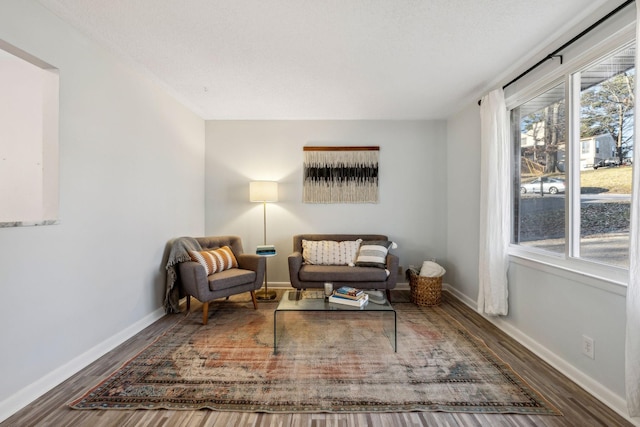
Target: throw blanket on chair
(179, 252)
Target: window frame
(573, 62)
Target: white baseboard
(600, 392)
(28, 394)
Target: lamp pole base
(265, 295)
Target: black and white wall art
(340, 174)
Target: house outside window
(572, 144)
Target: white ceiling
(325, 59)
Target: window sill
(29, 223)
(608, 278)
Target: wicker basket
(425, 291)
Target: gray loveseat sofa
(304, 275)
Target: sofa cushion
(215, 260)
(341, 273)
(373, 253)
(329, 252)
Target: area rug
(326, 362)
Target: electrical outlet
(588, 347)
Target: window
(606, 117)
(586, 153)
(539, 135)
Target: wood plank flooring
(580, 409)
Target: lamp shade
(263, 191)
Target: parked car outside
(607, 163)
(549, 185)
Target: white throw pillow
(329, 252)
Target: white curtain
(494, 204)
(632, 357)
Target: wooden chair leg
(255, 301)
(389, 295)
(205, 313)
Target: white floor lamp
(264, 191)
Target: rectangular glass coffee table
(294, 301)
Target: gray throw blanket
(179, 252)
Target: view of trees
(546, 126)
(606, 108)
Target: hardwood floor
(579, 408)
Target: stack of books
(349, 296)
(266, 250)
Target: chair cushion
(329, 252)
(373, 253)
(231, 278)
(215, 260)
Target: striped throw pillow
(373, 253)
(216, 260)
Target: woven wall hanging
(340, 174)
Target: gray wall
(131, 178)
(463, 201)
(549, 308)
(412, 207)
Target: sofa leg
(389, 295)
(253, 298)
(205, 313)
(188, 303)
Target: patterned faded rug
(326, 362)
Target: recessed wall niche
(29, 108)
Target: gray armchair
(248, 277)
